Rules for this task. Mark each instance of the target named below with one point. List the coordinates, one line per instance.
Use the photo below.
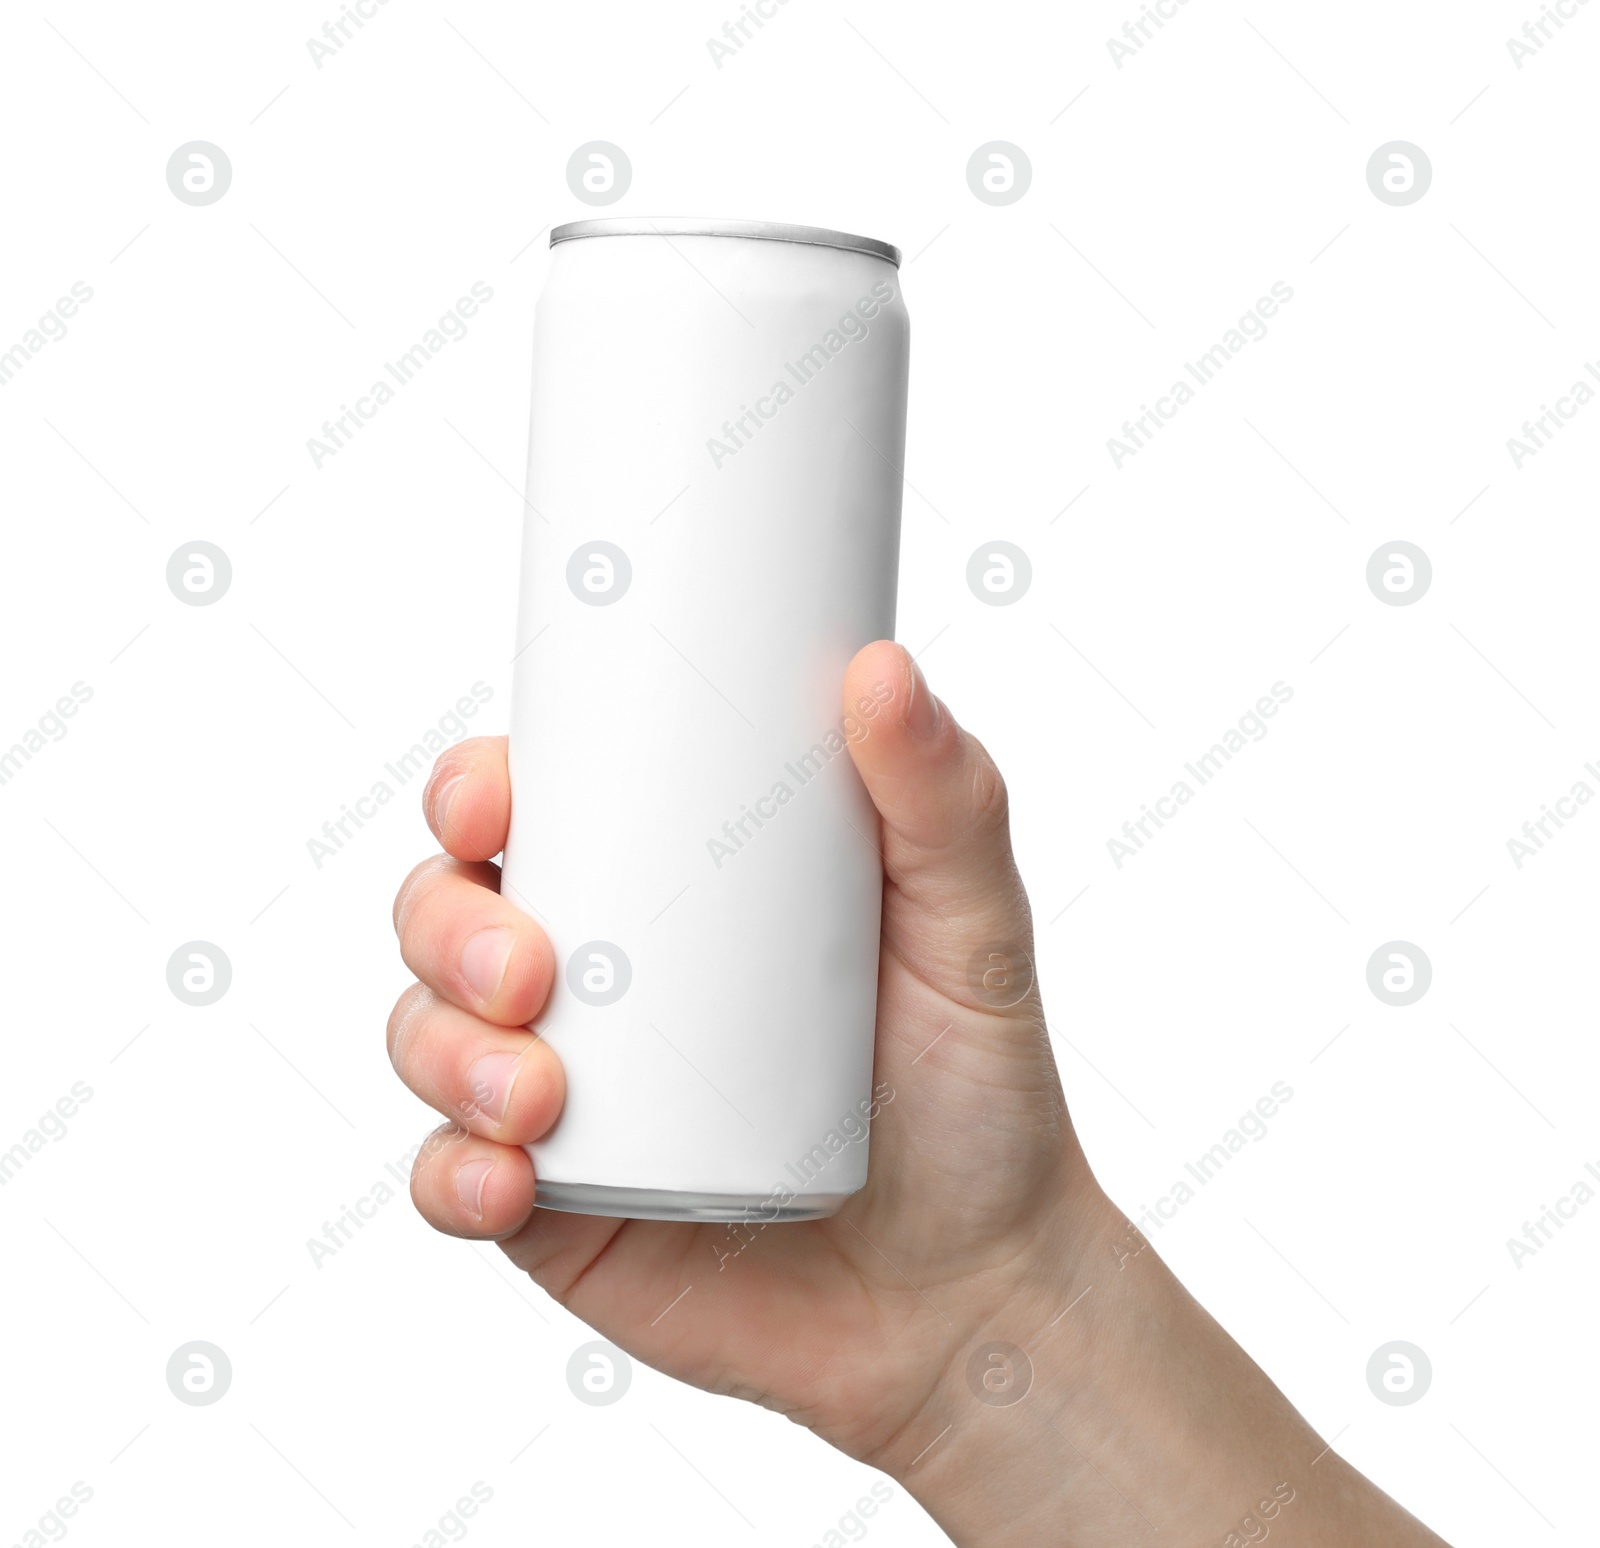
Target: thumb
(946, 834)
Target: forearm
(1139, 1421)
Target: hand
(980, 1222)
(845, 1324)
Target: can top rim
(758, 230)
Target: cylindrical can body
(712, 531)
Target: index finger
(467, 801)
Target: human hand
(980, 1224)
(844, 1323)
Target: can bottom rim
(671, 1204)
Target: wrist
(983, 1454)
(1092, 1401)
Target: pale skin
(1140, 1420)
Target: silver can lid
(758, 230)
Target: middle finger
(469, 945)
(498, 1082)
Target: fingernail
(484, 959)
(490, 1079)
(470, 1180)
(439, 803)
(924, 714)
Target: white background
(367, 596)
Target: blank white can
(712, 532)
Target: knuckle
(991, 801)
(450, 764)
(415, 879)
(402, 1019)
(448, 1134)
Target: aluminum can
(711, 532)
